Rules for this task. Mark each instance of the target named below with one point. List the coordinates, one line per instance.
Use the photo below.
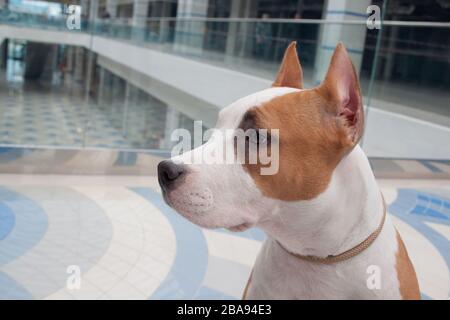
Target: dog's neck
(346, 213)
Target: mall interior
(91, 91)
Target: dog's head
(310, 129)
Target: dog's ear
(290, 73)
(341, 87)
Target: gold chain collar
(346, 254)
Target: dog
(328, 236)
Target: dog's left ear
(290, 73)
(341, 88)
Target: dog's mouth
(193, 202)
(240, 227)
(195, 216)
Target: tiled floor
(39, 115)
(126, 243)
(57, 113)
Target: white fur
(338, 219)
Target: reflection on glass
(413, 72)
(40, 104)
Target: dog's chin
(202, 214)
(241, 227)
(213, 224)
(190, 203)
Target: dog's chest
(371, 275)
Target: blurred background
(135, 70)
(90, 92)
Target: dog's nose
(168, 172)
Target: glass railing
(248, 46)
(413, 70)
(410, 59)
(31, 20)
(403, 71)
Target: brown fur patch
(409, 286)
(341, 71)
(290, 73)
(311, 144)
(317, 127)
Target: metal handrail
(361, 21)
(295, 21)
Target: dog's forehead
(230, 116)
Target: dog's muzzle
(169, 173)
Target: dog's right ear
(341, 87)
(290, 73)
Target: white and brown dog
(322, 211)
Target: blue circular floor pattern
(11, 290)
(7, 221)
(81, 235)
(30, 225)
(22, 224)
(188, 270)
(416, 207)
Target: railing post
(189, 34)
(330, 34)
